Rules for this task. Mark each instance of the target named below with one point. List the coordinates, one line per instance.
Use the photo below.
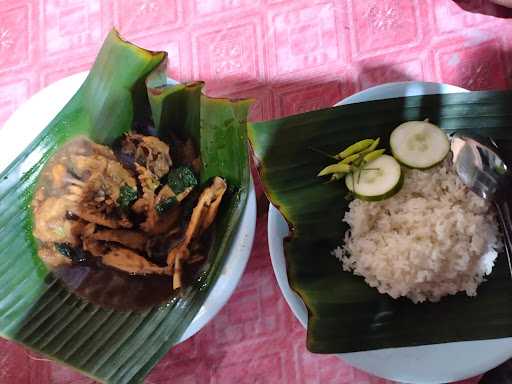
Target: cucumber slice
(379, 179)
(419, 144)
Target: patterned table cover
(291, 56)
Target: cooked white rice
(433, 238)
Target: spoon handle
(506, 222)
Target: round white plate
(35, 114)
(439, 363)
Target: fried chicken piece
(164, 194)
(99, 193)
(167, 221)
(149, 152)
(51, 256)
(86, 147)
(95, 247)
(59, 173)
(51, 223)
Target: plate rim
(366, 360)
(61, 92)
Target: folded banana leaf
(345, 314)
(126, 85)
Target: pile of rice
(431, 239)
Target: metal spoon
(481, 169)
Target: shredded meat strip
(146, 204)
(202, 216)
(148, 151)
(131, 262)
(131, 239)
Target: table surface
(291, 56)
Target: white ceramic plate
(439, 363)
(35, 114)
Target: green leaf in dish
(36, 309)
(345, 314)
(166, 204)
(127, 196)
(181, 178)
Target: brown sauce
(110, 288)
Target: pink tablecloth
(292, 56)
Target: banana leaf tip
(114, 33)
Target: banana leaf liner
(127, 84)
(344, 313)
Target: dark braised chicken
(124, 210)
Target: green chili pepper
(368, 150)
(501, 169)
(373, 155)
(335, 168)
(337, 176)
(355, 148)
(349, 159)
(371, 148)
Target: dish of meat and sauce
(131, 218)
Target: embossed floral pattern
(291, 56)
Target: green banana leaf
(126, 85)
(344, 313)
